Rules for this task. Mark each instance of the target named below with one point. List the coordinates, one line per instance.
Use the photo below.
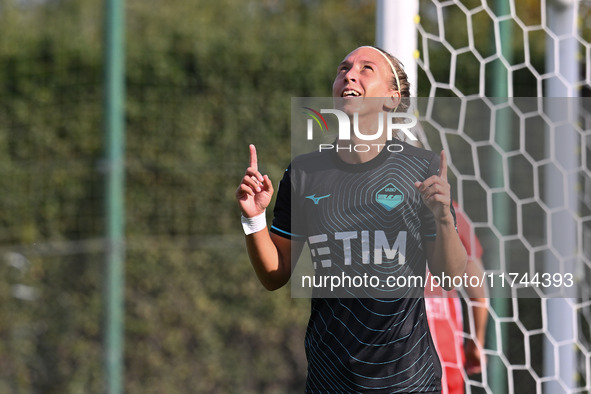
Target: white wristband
(254, 224)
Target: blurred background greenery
(203, 80)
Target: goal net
(507, 83)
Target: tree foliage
(203, 80)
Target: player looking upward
(360, 344)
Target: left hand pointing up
(436, 193)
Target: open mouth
(350, 93)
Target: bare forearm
(269, 256)
(270, 261)
(448, 256)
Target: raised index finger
(253, 157)
(443, 165)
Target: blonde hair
(400, 82)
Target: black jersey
(359, 220)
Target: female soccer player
(380, 212)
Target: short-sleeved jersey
(363, 219)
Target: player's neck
(357, 151)
(361, 150)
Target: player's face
(363, 73)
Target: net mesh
(194, 308)
(521, 171)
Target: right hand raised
(255, 191)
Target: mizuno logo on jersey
(317, 199)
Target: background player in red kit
(444, 313)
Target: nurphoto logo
(395, 122)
